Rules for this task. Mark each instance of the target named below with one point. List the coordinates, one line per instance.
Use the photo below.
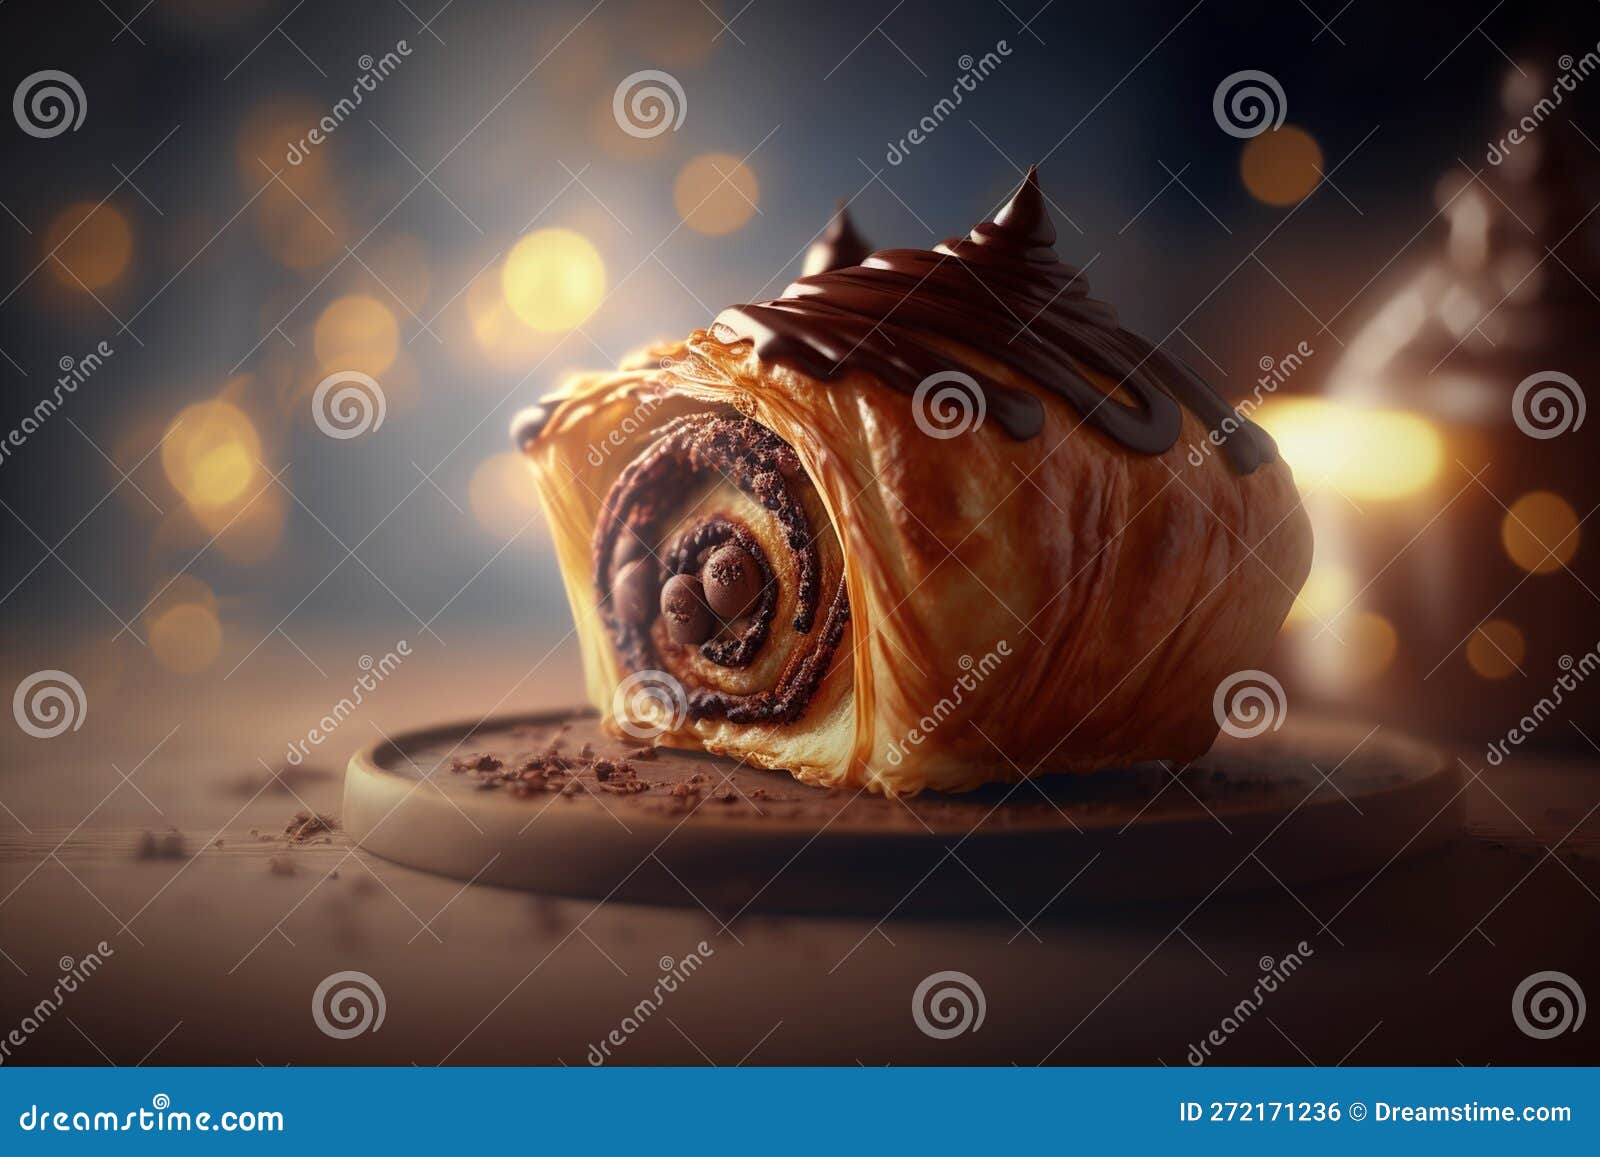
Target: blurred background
(228, 225)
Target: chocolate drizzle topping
(528, 424)
(839, 247)
(1002, 292)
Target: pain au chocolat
(931, 519)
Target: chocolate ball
(633, 592)
(732, 580)
(628, 547)
(683, 605)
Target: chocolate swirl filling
(1002, 292)
(711, 586)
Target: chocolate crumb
(308, 824)
(167, 846)
(479, 761)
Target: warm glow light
(1281, 166)
(184, 631)
(211, 454)
(187, 638)
(502, 496)
(1360, 646)
(1496, 649)
(715, 194)
(553, 280)
(1360, 452)
(1327, 591)
(357, 332)
(1540, 532)
(300, 229)
(91, 245)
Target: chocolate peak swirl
(1002, 292)
(839, 247)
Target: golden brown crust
(1056, 603)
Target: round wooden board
(1316, 800)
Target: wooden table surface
(157, 828)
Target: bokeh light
(503, 497)
(716, 193)
(264, 140)
(183, 625)
(300, 229)
(1281, 166)
(553, 280)
(1327, 591)
(357, 332)
(186, 639)
(1496, 649)
(211, 454)
(93, 243)
(1360, 452)
(1360, 646)
(1540, 532)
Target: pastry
(927, 521)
